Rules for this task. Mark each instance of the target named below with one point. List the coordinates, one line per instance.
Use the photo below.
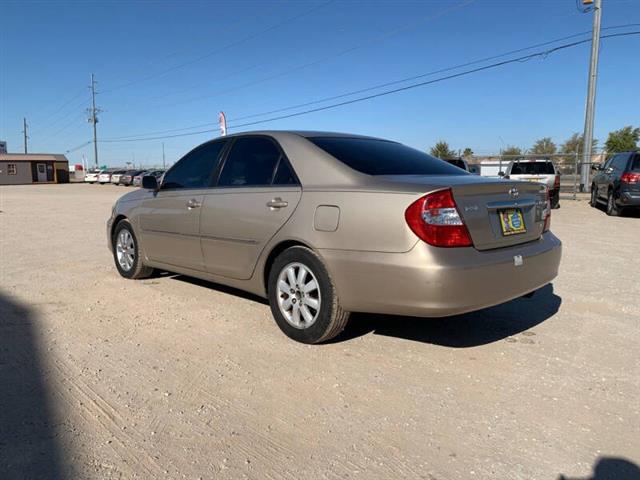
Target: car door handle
(193, 203)
(277, 203)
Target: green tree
(544, 146)
(467, 153)
(441, 150)
(512, 151)
(573, 145)
(622, 140)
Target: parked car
(137, 180)
(105, 177)
(458, 162)
(116, 176)
(92, 176)
(537, 170)
(617, 183)
(127, 177)
(323, 224)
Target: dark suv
(617, 183)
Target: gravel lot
(171, 377)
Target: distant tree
(544, 146)
(574, 145)
(441, 150)
(512, 151)
(467, 153)
(622, 140)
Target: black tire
(137, 269)
(330, 319)
(612, 207)
(594, 197)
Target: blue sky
(168, 65)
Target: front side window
(251, 162)
(12, 169)
(195, 168)
(382, 157)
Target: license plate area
(511, 221)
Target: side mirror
(501, 173)
(149, 182)
(596, 166)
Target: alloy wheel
(125, 250)
(299, 297)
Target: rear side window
(251, 162)
(635, 165)
(620, 161)
(382, 157)
(532, 168)
(195, 168)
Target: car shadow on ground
(28, 445)
(611, 468)
(460, 331)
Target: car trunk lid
(482, 201)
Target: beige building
(25, 168)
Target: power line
(415, 77)
(224, 48)
(523, 58)
(340, 53)
(449, 77)
(82, 145)
(61, 107)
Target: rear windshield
(532, 168)
(382, 157)
(457, 162)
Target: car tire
(305, 305)
(594, 197)
(612, 208)
(126, 252)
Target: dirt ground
(102, 377)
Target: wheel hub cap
(298, 295)
(125, 250)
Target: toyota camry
(324, 224)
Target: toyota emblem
(514, 193)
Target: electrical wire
(523, 58)
(222, 49)
(82, 145)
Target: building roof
(32, 157)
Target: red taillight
(630, 177)
(546, 213)
(436, 220)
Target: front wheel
(126, 252)
(303, 298)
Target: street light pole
(591, 97)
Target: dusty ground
(101, 377)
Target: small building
(24, 168)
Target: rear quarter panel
(367, 221)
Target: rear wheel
(126, 252)
(612, 207)
(303, 298)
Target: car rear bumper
(629, 199)
(435, 282)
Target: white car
(104, 177)
(116, 176)
(92, 176)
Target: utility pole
(591, 95)
(24, 131)
(93, 118)
(164, 164)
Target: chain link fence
(569, 166)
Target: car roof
(304, 133)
